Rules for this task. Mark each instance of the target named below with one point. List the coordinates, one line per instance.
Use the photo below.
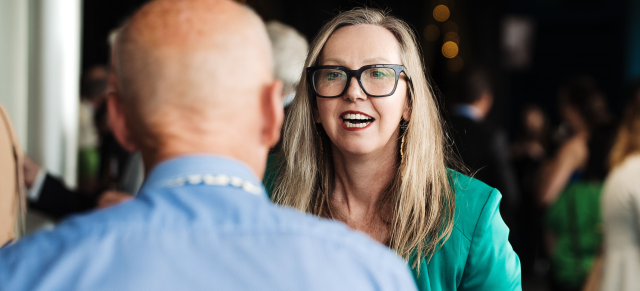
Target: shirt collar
(200, 164)
(468, 111)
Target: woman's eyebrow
(376, 60)
(334, 60)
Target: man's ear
(118, 123)
(273, 112)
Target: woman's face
(534, 121)
(572, 116)
(353, 47)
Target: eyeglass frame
(356, 73)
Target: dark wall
(571, 37)
(98, 19)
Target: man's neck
(254, 158)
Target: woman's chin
(357, 149)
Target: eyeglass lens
(375, 81)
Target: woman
(571, 184)
(527, 153)
(621, 206)
(363, 143)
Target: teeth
(356, 117)
(350, 124)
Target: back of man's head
(474, 83)
(195, 77)
(289, 53)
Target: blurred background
(54, 57)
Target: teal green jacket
(477, 255)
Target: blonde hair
(421, 194)
(628, 139)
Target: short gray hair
(289, 53)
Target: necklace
(218, 180)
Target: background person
(112, 174)
(621, 204)
(201, 219)
(528, 152)
(289, 51)
(571, 184)
(364, 144)
(483, 147)
(92, 87)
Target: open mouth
(356, 120)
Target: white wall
(40, 76)
(58, 89)
(14, 18)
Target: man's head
(475, 89)
(94, 81)
(195, 77)
(289, 53)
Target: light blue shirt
(468, 111)
(200, 223)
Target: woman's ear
(316, 115)
(406, 113)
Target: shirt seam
(461, 232)
(475, 228)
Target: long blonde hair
(420, 197)
(628, 138)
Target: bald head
(194, 49)
(192, 73)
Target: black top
(484, 150)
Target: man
(196, 96)
(121, 172)
(482, 146)
(289, 49)
(50, 196)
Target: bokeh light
(452, 36)
(449, 49)
(431, 32)
(455, 64)
(449, 26)
(441, 13)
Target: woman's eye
(378, 74)
(331, 76)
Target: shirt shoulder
(491, 263)
(209, 233)
(625, 175)
(331, 239)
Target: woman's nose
(354, 92)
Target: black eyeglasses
(375, 80)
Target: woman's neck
(360, 181)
